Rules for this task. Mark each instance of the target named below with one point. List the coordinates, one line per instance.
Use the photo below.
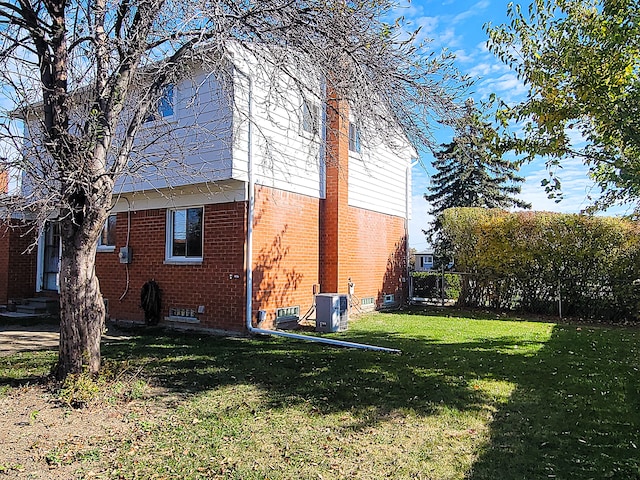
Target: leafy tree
(87, 75)
(581, 62)
(471, 170)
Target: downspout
(249, 254)
(406, 223)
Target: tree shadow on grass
(574, 414)
(426, 377)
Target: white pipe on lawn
(249, 254)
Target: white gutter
(249, 255)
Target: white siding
(193, 145)
(378, 178)
(206, 141)
(284, 156)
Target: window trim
(168, 98)
(106, 247)
(310, 110)
(355, 142)
(177, 259)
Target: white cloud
(484, 69)
(476, 9)
(428, 25)
(437, 36)
(507, 86)
(577, 188)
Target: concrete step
(37, 305)
(48, 301)
(32, 309)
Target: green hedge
(427, 285)
(523, 260)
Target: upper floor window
(354, 138)
(107, 240)
(427, 261)
(184, 234)
(310, 117)
(165, 107)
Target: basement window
(182, 315)
(288, 313)
(287, 317)
(389, 298)
(367, 301)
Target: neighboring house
(327, 213)
(423, 261)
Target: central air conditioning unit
(332, 312)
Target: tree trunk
(82, 311)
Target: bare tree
(84, 76)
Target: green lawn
(467, 399)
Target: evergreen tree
(471, 170)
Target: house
(273, 203)
(423, 261)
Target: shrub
(525, 260)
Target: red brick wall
(285, 251)
(286, 259)
(375, 257)
(218, 283)
(17, 263)
(5, 244)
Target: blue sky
(458, 26)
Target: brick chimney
(4, 181)
(334, 208)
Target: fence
(609, 300)
(435, 287)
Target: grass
(468, 398)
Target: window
(310, 116)
(164, 107)
(367, 301)
(288, 312)
(427, 261)
(184, 234)
(354, 138)
(107, 240)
